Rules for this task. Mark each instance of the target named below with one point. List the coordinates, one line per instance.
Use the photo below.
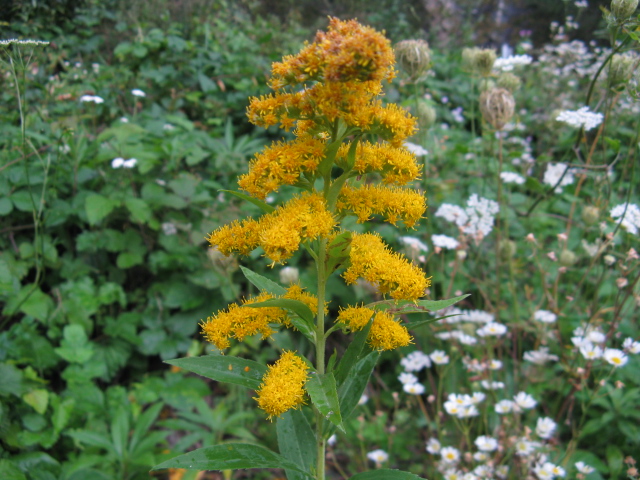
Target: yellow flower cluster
(282, 386)
(371, 259)
(395, 165)
(386, 333)
(281, 164)
(279, 233)
(241, 321)
(392, 202)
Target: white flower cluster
(136, 92)
(590, 343)
(511, 177)
(463, 405)
(545, 316)
(15, 41)
(475, 220)
(443, 241)
(554, 172)
(581, 118)
(628, 216)
(417, 150)
(92, 99)
(540, 356)
(122, 163)
(415, 244)
(506, 64)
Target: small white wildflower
(363, 399)
(413, 388)
(468, 411)
(92, 99)
(477, 316)
(136, 92)
(486, 443)
(477, 397)
(555, 469)
(545, 316)
(415, 361)
(457, 115)
(507, 64)
(615, 357)
(378, 456)
(545, 427)
(503, 406)
(540, 356)
(480, 457)
(525, 447)
(524, 401)
(495, 364)
(129, 163)
(407, 378)
(443, 241)
(450, 454)
(581, 3)
(511, 177)
(168, 127)
(452, 213)
(169, 228)
(554, 172)
(492, 329)
(439, 357)
(452, 474)
(415, 149)
(483, 471)
(631, 346)
(487, 385)
(629, 219)
(331, 441)
(544, 472)
(433, 446)
(415, 244)
(596, 336)
(117, 162)
(584, 468)
(124, 120)
(582, 117)
(502, 471)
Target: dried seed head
(426, 115)
(568, 258)
(497, 106)
(590, 215)
(478, 60)
(414, 57)
(623, 9)
(620, 69)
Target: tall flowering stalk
(346, 159)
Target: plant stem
(320, 357)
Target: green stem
(320, 353)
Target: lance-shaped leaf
(296, 441)
(230, 456)
(258, 203)
(263, 283)
(224, 368)
(426, 321)
(421, 306)
(324, 395)
(356, 349)
(386, 474)
(338, 251)
(304, 323)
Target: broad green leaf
(128, 259)
(75, 347)
(10, 471)
(258, 203)
(324, 395)
(38, 304)
(139, 209)
(353, 353)
(62, 410)
(120, 431)
(304, 324)
(386, 474)
(296, 441)
(230, 456)
(98, 207)
(404, 307)
(38, 399)
(615, 460)
(224, 368)
(11, 383)
(263, 283)
(5, 206)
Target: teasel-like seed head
(414, 57)
(509, 81)
(478, 60)
(623, 9)
(426, 115)
(497, 106)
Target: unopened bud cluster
(414, 57)
(478, 61)
(497, 106)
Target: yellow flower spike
(386, 333)
(282, 386)
(241, 237)
(392, 273)
(396, 165)
(392, 202)
(356, 318)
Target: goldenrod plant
(347, 160)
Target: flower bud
(478, 60)
(426, 115)
(623, 9)
(590, 215)
(289, 275)
(620, 70)
(497, 107)
(414, 57)
(609, 259)
(509, 81)
(568, 258)
(507, 248)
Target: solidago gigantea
(329, 96)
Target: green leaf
(5, 206)
(323, 393)
(230, 456)
(142, 427)
(224, 368)
(98, 207)
(258, 203)
(296, 441)
(404, 307)
(139, 209)
(62, 411)
(338, 251)
(38, 399)
(305, 324)
(426, 321)
(615, 460)
(92, 438)
(350, 391)
(38, 304)
(263, 283)
(120, 431)
(11, 383)
(9, 471)
(75, 347)
(353, 353)
(128, 259)
(386, 474)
